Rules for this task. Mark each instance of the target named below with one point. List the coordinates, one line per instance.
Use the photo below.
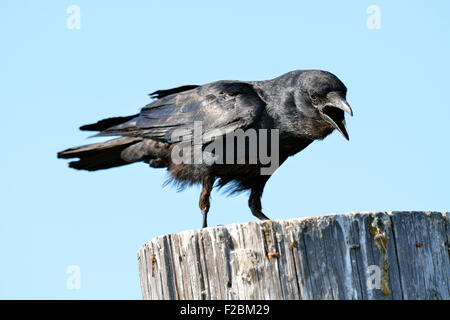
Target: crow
(291, 111)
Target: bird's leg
(254, 202)
(208, 183)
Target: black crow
(189, 131)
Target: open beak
(334, 111)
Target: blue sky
(54, 79)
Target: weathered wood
(327, 257)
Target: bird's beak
(333, 112)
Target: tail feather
(99, 156)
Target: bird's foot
(260, 215)
(205, 216)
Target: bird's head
(324, 97)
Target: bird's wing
(220, 108)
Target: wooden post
(386, 255)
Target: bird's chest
(314, 130)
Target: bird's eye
(314, 98)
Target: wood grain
(326, 257)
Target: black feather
(102, 155)
(106, 123)
(163, 93)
